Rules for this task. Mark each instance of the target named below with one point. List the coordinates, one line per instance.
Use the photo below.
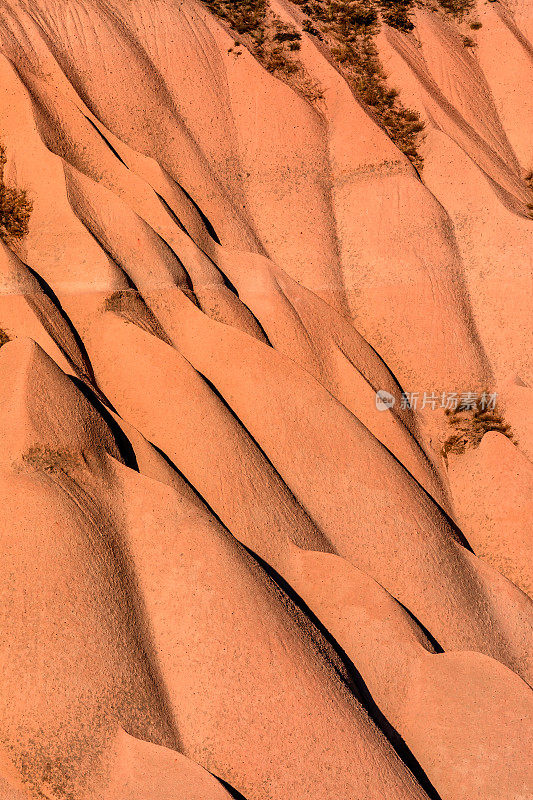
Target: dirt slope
(249, 546)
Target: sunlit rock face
(265, 407)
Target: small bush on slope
(457, 8)
(46, 459)
(470, 425)
(529, 184)
(15, 208)
(245, 16)
(129, 305)
(396, 13)
(4, 338)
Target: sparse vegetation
(476, 25)
(397, 13)
(46, 459)
(308, 27)
(121, 301)
(245, 16)
(129, 305)
(15, 208)
(529, 183)
(286, 33)
(457, 8)
(350, 27)
(4, 338)
(468, 41)
(274, 42)
(470, 425)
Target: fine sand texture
(266, 441)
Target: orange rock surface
(228, 568)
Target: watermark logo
(450, 401)
(384, 400)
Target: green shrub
(468, 42)
(476, 25)
(15, 208)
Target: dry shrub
(15, 208)
(470, 425)
(272, 41)
(245, 16)
(397, 13)
(130, 306)
(51, 461)
(529, 184)
(350, 27)
(457, 8)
